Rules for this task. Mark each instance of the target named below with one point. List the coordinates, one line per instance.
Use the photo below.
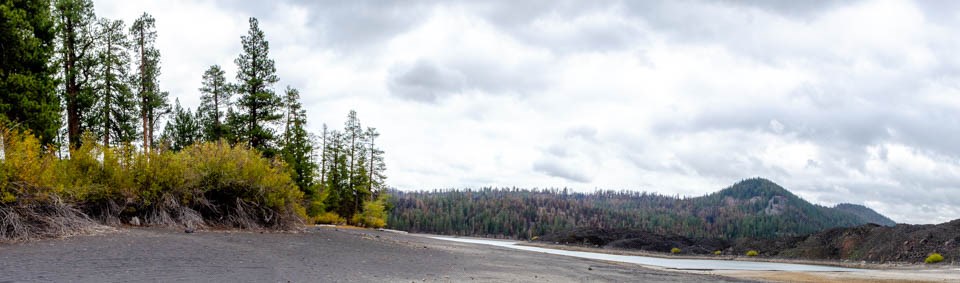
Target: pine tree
(297, 150)
(153, 102)
(75, 43)
(377, 166)
(351, 170)
(323, 155)
(258, 105)
(26, 81)
(233, 127)
(340, 196)
(115, 104)
(214, 101)
(183, 130)
(353, 137)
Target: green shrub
(717, 252)
(752, 253)
(934, 258)
(675, 250)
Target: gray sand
(318, 255)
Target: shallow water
(674, 263)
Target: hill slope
(755, 208)
(865, 213)
(903, 242)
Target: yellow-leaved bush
(27, 174)
(237, 178)
(204, 184)
(374, 213)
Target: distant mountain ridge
(766, 200)
(865, 213)
(754, 208)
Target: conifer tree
(233, 125)
(340, 196)
(323, 154)
(74, 22)
(258, 106)
(353, 137)
(376, 165)
(183, 130)
(114, 116)
(26, 79)
(214, 102)
(351, 169)
(153, 102)
(297, 148)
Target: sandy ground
(898, 272)
(322, 254)
(924, 275)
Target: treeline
(752, 208)
(72, 79)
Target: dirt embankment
(321, 254)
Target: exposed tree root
(221, 209)
(105, 211)
(169, 212)
(55, 219)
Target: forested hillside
(750, 208)
(866, 214)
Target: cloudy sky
(854, 101)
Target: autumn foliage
(207, 184)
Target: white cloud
(841, 102)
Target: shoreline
(315, 254)
(353, 254)
(875, 273)
(834, 263)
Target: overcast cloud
(852, 101)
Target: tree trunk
(216, 111)
(107, 105)
(73, 90)
(253, 105)
(370, 172)
(144, 102)
(323, 155)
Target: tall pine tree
(258, 106)
(214, 101)
(75, 48)
(376, 178)
(356, 152)
(153, 102)
(351, 169)
(297, 148)
(26, 79)
(340, 196)
(114, 119)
